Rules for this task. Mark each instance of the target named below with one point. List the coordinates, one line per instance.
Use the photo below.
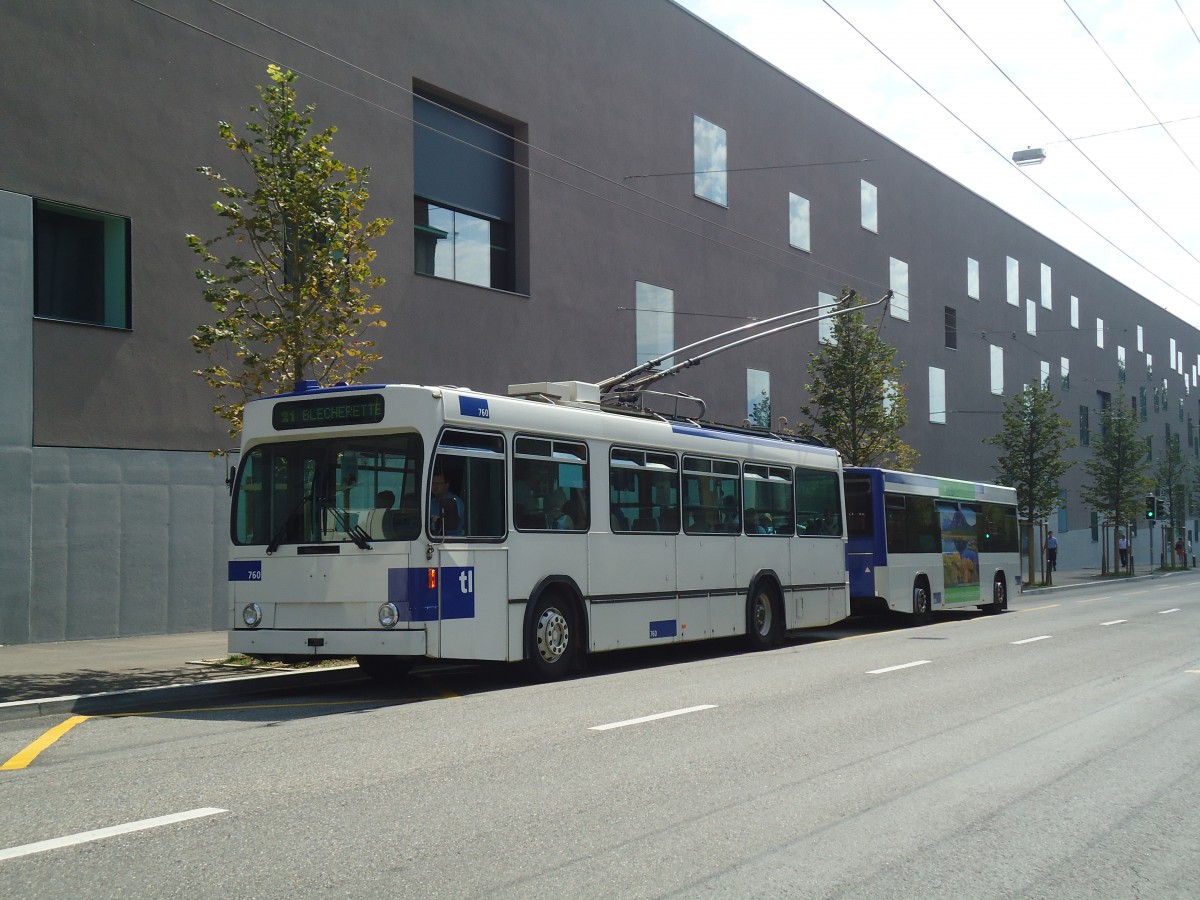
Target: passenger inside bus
(446, 512)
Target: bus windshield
(348, 488)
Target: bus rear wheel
(386, 669)
(764, 620)
(553, 637)
(999, 597)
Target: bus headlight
(252, 615)
(388, 615)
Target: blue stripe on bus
(410, 593)
(245, 570)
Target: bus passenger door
(472, 590)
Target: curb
(1050, 588)
(151, 699)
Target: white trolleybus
(917, 543)
(396, 522)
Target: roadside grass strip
(99, 834)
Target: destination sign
(328, 412)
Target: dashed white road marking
(1115, 622)
(1163, 612)
(1040, 637)
(662, 715)
(99, 834)
(919, 662)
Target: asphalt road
(1053, 751)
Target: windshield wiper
(356, 534)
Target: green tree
(289, 299)
(1116, 469)
(857, 403)
(1171, 477)
(1032, 441)
(760, 413)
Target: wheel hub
(552, 635)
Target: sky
(1109, 89)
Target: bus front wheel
(920, 603)
(553, 637)
(764, 621)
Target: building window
(1044, 383)
(1100, 333)
(709, 160)
(1149, 366)
(655, 322)
(891, 392)
(951, 328)
(937, 396)
(1103, 401)
(869, 197)
(825, 304)
(1141, 340)
(997, 370)
(1074, 311)
(799, 224)
(758, 398)
(1065, 367)
(898, 281)
(81, 265)
(1013, 282)
(1142, 402)
(1120, 364)
(1085, 437)
(1046, 291)
(1030, 317)
(973, 278)
(464, 222)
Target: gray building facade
(644, 182)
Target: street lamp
(1031, 156)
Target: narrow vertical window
(655, 322)
(898, 281)
(799, 226)
(951, 328)
(997, 370)
(1120, 364)
(1045, 375)
(890, 390)
(1100, 333)
(1085, 437)
(1046, 290)
(1030, 317)
(869, 198)
(1141, 340)
(758, 398)
(709, 155)
(825, 303)
(1074, 311)
(937, 395)
(464, 183)
(973, 278)
(1065, 369)
(1013, 281)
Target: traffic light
(1151, 506)
(1161, 508)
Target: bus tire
(554, 636)
(764, 617)
(922, 611)
(386, 669)
(999, 596)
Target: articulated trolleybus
(395, 522)
(917, 543)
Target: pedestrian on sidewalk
(1179, 551)
(1123, 550)
(1051, 551)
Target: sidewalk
(121, 673)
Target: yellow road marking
(30, 753)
